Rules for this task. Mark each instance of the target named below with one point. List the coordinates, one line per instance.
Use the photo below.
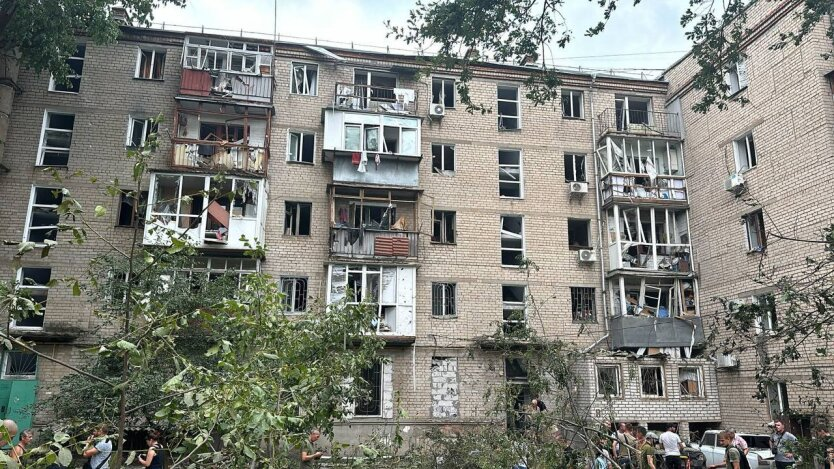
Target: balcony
(639, 122)
(226, 85)
(378, 99)
(667, 258)
(637, 188)
(369, 243)
(216, 156)
(641, 331)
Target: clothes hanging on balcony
(355, 158)
(343, 215)
(363, 164)
(377, 160)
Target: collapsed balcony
(649, 239)
(226, 70)
(373, 223)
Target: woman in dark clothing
(153, 459)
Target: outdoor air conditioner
(437, 110)
(578, 188)
(734, 183)
(726, 360)
(587, 255)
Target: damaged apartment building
(366, 178)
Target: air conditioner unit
(726, 360)
(587, 255)
(578, 188)
(734, 183)
(437, 110)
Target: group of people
(633, 447)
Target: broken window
(745, 153)
(572, 104)
(377, 217)
(382, 139)
(151, 65)
(766, 321)
(301, 147)
(444, 227)
(443, 92)
(756, 234)
(233, 56)
(690, 381)
(43, 214)
(509, 173)
(370, 405)
(608, 380)
(512, 240)
(575, 168)
(297, 218)
(243, 63)
(651, 381)
(20, 365)
(579, 234)
(443, 158)
(582, 304)
(509, 108)
(127, 217)
(514, 308)
(138, 131)
(736, 76)
(76, 66)
(443, 299)
(295, 289)
(632, 110)
(304, 79)
(516, 375)
(56, 139)
(206, 269)
(777, 396)
(34, 281)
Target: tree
(521, 31)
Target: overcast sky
(646, 36)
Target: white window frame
(762, 326)
(314, 91)
(301, 136)
(29, 212)
(513, 235)
(744, 161)
(442, 94)
(570, 94)
(6, 375)
(573, 157)
(447, 300)
(514, 305)
(147, 126)
(517, 102)
(736, 78)
(750, 230)
(699, 373)
(42, 148)
(221, 265)
(619, 387)
(32, 288)
(662, 381)
(780, 388)
(72, 57)
(295, 229)
(217, 46)
(154, 53)
(290, 295)
(503, 169)
(443, 149)
(382, 146)
(444, 234)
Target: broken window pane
(574, 168)
(444, 227)
(443, 158)
(512, 240)
(56, 139)
(608, 380)
(34, 281)
(651, 381)
(297, 218)
(756, 234)
(304, 79)
(126, 213)
(372, 138)
(43, 215)
(301, 147)
(582, 304)
(690, 382)
(514, 309)
(579, 234)
(76, 66)
(509, 173)
(443, 92)
(151, 64)
(508, 108)
(572, 104)
(20, 365)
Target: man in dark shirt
(308, 455)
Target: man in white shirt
(672, 446)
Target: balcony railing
(640, 331)
(224, 84)
(637, 122)
(647, 256)
(376, 99)
(637, 187)
(369, 243)
(214, 155)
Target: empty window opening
(301, 147)
(224, 132)
(766, 321)
(20, 365)
(579, 234)
(745, 153)
(514, 308)
(138, 131)
(736, 77)
(304, 79)
(444, 227)
(777, 396)
(691, 382)
(512, 240)
(575, 168)
(127, 201)
(509, 108)
(151, 65)
(756, 234)
(371, 404)
(222, 54)
(516, 375)
(443, 92)
(608, 380)
(651, 381)
(43, 214)
(35, 282)
(297, 218)
(56, 139)
(572, 104)
(582, 302)
(632, 110)
(295, 289)
(443, 158)
(509, 173)
(443, 299)
(73, 80)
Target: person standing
(646, 449)
(20, 448)
(309, 456)
(672, 447)
(781, 442)
(732, 456)
(826, 445)
(618, 436)
(740, 442)
(154, 456)
(98, 449)
(10, 428)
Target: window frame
(579, 297)
(42, 288)
(296, 227)
(381, 393)
(443, 237)
(29, 215)
(43, 148)
(589, 239)
(302, 135)
(618, 378)
(444, 147)
(754, 227)
(662, 382)
(53, 83)
(570, 95)
(781, 391)
(573, 165)
(517, 102)
(153, 61)
(5, 373)
(521, 324)
(442, 94)
(440, 307)
(767, 310)
(733, 77)
(504, 169)
(751, 159)
(148, 127)
(292, 296)
(523, 244)
(141, 212)
(294, 89)
(699, 372)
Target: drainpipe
(598, 195)
(9, 68)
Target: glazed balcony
(370, 243)
(378, 99)
(637, 188)
(639, 122)
(643, 257)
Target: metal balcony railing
(359, 242)
(226, 84)
(214, 155)
(637, 187)
(376, 99)
(639, 122)
(662, 257)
